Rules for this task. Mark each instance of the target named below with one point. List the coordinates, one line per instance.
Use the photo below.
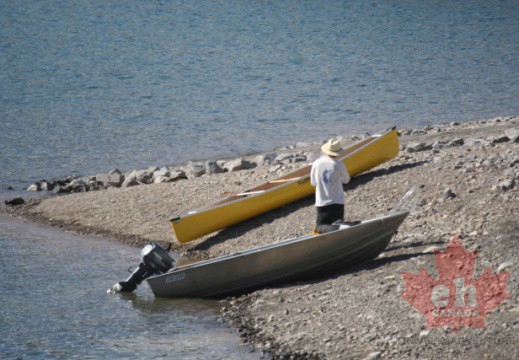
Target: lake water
(87, 86)
(55, 305)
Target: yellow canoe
(358, 158)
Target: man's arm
(345, 175)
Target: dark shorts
(328, 214)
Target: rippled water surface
(86, 86)
(55, 305)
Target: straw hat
(332, 147)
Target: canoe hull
(291, 259)
(208, 220)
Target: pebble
(373, 355)
(448, 194)
(504, 266)
(507, 185)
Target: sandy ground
(469, 188)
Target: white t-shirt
(328, 175)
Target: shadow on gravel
(367, 177)
(413, 245)
(242, 228)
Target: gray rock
(455, 142)
(439, 144)
(448, 194)
(431, 249)
(373, 355)
(212, 167)
(157, 179)
(512, 134)
(94, 185)
(284, 158)
(299, 158)
(165, 171)
(418, 132)
(274, 168)
(194, 169)
(474, 142)
(131, 181)
(504, 266)
(14, 201)
(47, 186)
(238, 164)
(265, 159)
(418, 146)
(77, 185)
(34, 187)
(507, 185)
(112, 179)
(177, 174)
(499, 139)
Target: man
(327, 175)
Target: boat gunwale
(217, 205)
(276, 245)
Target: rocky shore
(469, 177)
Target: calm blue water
(54, 304)
(86, 86)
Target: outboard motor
(154, 260)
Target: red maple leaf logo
(455, 298)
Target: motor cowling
(154, 260)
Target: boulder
(512, 134)
(275, 167)
(14, 201)
(498, 139)
(112, 179)
(439, 144)
(131, 181)
(418, 146)
(455, 142)
(94, 185)
(265, 159)
(46, 186)
(195, 169)
(34, 187)
(77, 185)
(157, 179)
(141, 176)
(177, 174)
(299, 158)
(472, 142)
(212, 167)
(165, 171)
(238, 164)
(284, 158)
(507, 185)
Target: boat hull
(291, 259)
(362, 157)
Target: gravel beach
(469, 177)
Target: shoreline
(358, 312)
